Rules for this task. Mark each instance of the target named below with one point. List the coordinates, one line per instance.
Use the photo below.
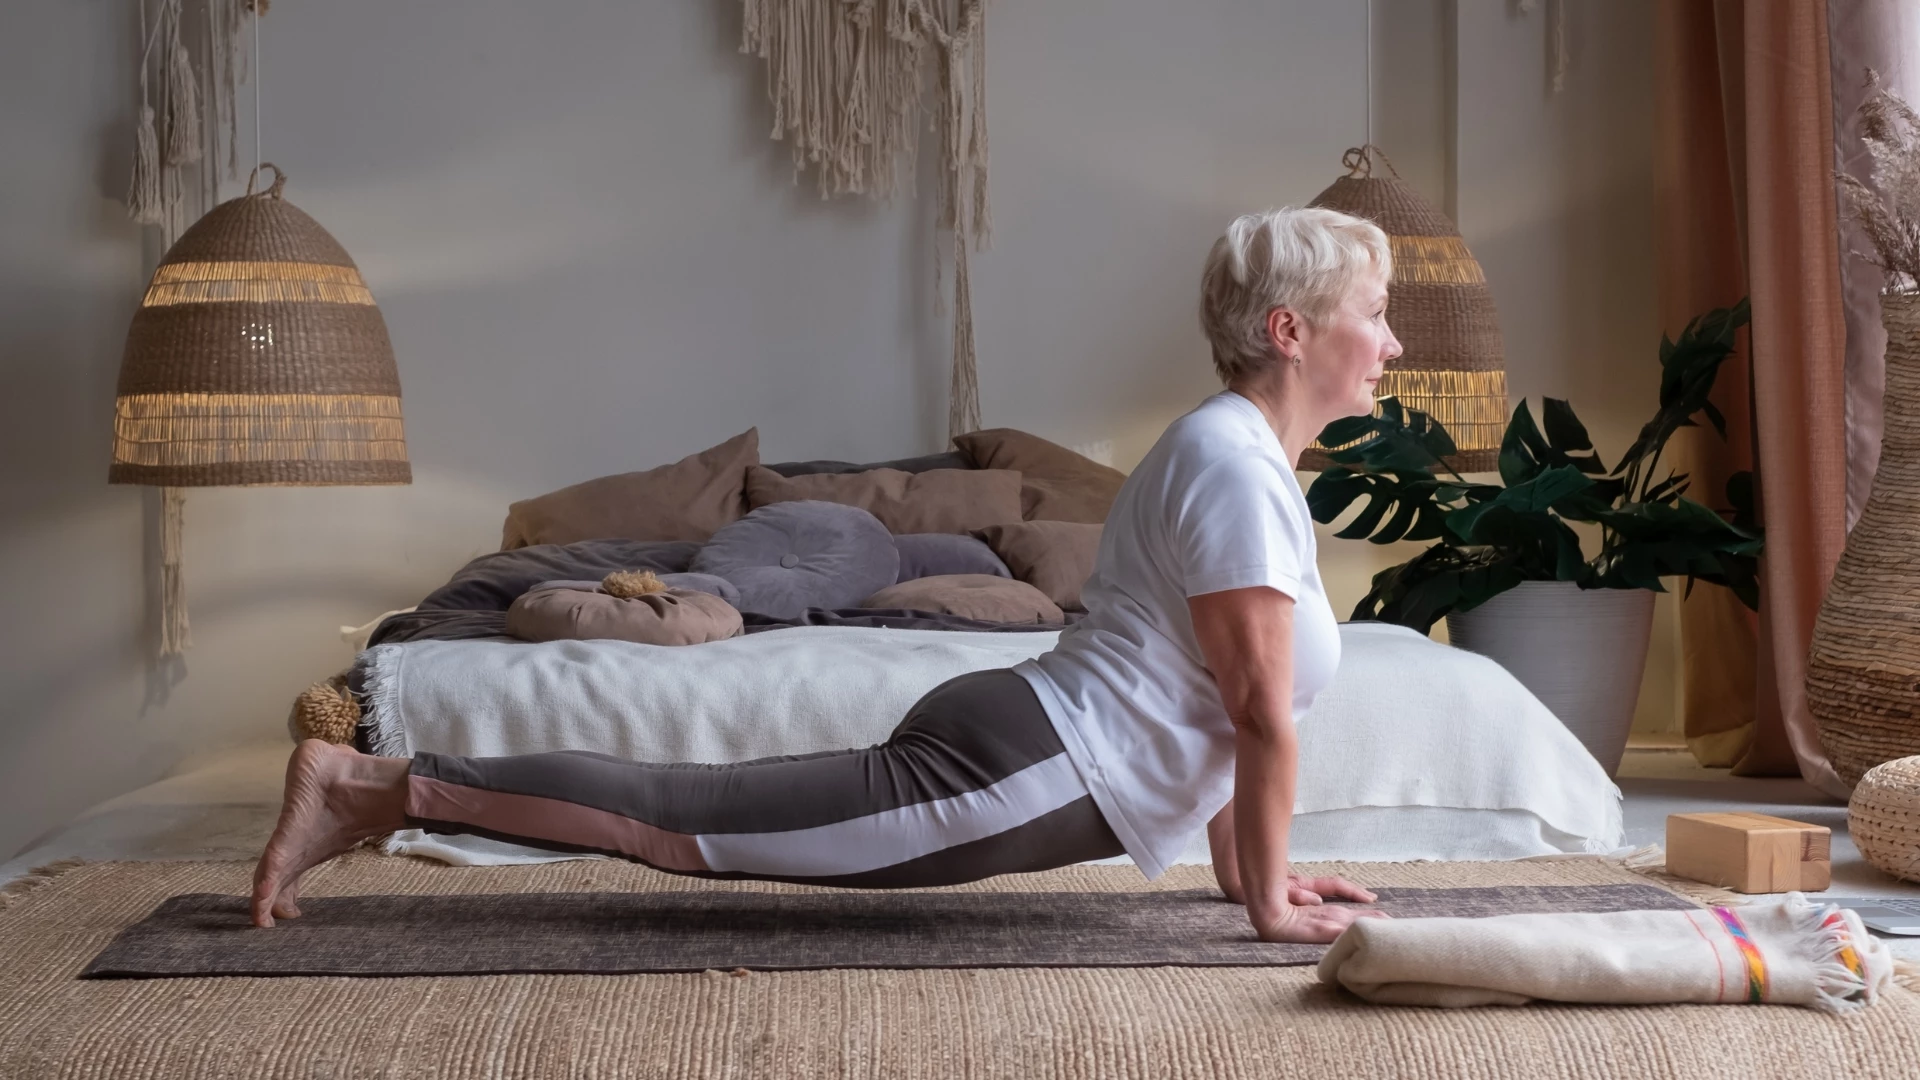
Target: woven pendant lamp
(257, 356)
(1454, 366)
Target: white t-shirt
(1213, 506)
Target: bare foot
(336, 797)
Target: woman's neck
(1295, 430)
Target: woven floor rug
(619, 933)
(1059, 1023)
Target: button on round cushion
(787, 557)
(971, 596)
(580, 611)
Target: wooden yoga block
(1750, 853)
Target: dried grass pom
(325, 711)
(627, 584)
(1889, 210)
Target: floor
(223, 808)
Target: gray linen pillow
(941, 554)
(952, 459)
(790, 556)
(710, 584)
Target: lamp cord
(256, 86)
(1369, 72)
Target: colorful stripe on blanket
(1756, 963)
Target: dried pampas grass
(1891, 214)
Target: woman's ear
(1284, 329)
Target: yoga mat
(616, 933)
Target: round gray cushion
(943, 554)
(790, 556)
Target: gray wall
(591, 259)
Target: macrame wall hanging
(193, 57)
(846, 78)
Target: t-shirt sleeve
(1239, 525)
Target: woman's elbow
(1264, 722)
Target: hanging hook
(1359, 162)
(279, 180)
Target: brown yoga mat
(615, 933)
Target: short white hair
(1302, 258)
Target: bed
(1416, 751)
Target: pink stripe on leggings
(536, 818)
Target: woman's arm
(1226, 857)
(1246, 638)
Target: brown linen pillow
(1056, 483)
(687, 500)
(581, 612)
(971, 596)
(1056, 557)
(939, 500)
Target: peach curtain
(1746, 205)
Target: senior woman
(1170, 706)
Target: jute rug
(625, 933)
(1062, 1023)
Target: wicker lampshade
(1454, 366)
(258, 357)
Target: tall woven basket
(1454, 366)
(1863, 671)
(257, 356)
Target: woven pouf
(1884, 817)
(1863, 670)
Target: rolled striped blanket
(1793, 952)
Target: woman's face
(1342, 359)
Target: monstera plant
(1488, 538)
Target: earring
(1296, 361)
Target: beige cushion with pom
(578, 612)
(971, 596)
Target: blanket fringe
(1828, 934)
(380, 711)
(1906, 975)
(36, 877)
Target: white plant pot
(1581, 652)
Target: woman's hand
(1309, 924)
(1308, 891)
(1301, 891)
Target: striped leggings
(973, 783)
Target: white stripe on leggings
(893, 836)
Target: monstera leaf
(1417, 506)
(1397, 440)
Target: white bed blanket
(1415, 750)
